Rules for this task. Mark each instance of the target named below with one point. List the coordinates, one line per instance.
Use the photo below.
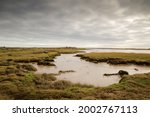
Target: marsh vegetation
(18, 79)
(117, 58)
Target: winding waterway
(87, 72)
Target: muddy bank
(114, 61)
(120, 73)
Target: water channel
(87, 72)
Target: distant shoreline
(122, 48)
(85, 48)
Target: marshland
(74, 73)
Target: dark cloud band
(75, 22)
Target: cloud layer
(82, 23)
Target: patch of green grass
(26, 67)
(117, 58)
(127, 56)
(29, 77)
(27, 55)
(131, 87)
(61, 84)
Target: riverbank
(117, 58)
(46, 86)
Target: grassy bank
(18, 80)
(117, 58)
(46, 86)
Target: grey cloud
(74, 22)
(135, 7)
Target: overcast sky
(80, 23)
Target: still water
(118, 50)
(88, 72)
